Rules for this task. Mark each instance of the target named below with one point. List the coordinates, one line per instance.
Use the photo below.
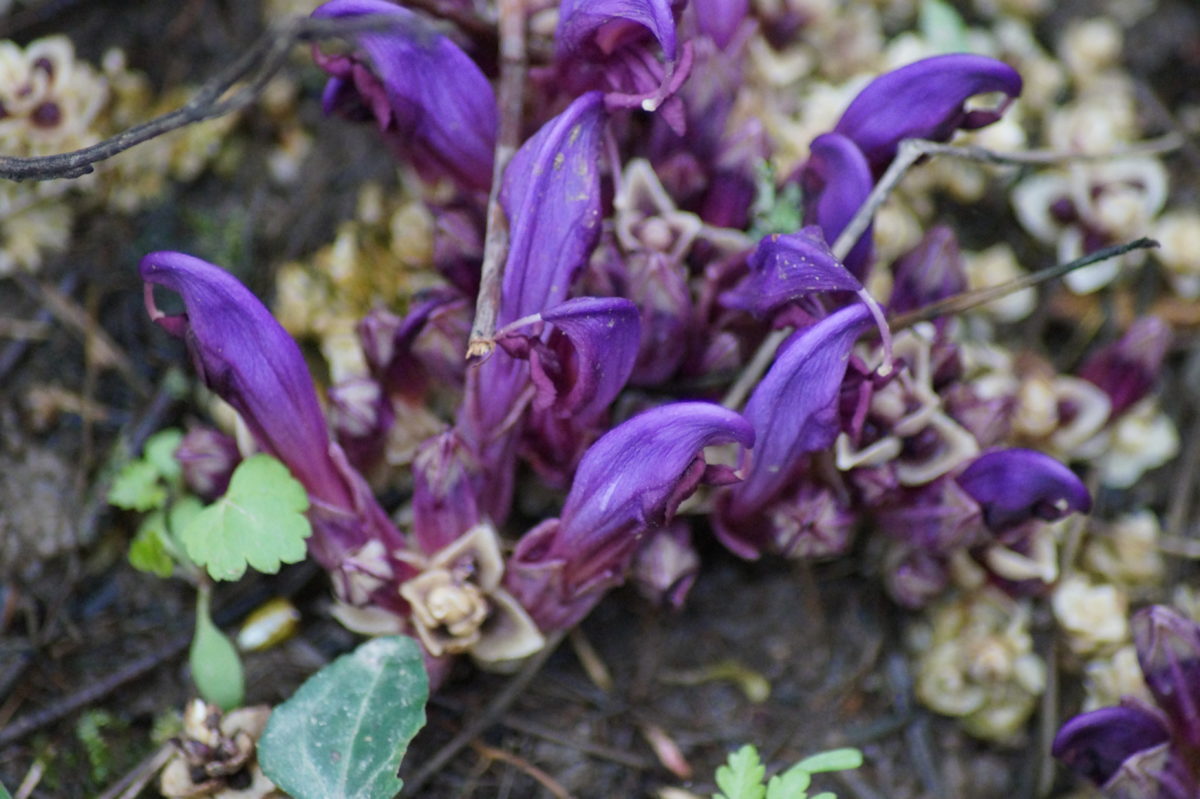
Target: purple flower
(931, 271)
(794, 409)
(836, 180)
(551, 195)
(443, 504)
(720, 19)
(245, 357)
(207, 458)
(1137, 752)
(606, 24)
(1168, 647)
(361, 416)
(629, 482)
(430, 100)
(785, 268)
(1128, 368)
(583, 363)
(925, 100)
(666, 566)
(1016, 485)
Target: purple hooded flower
(430, 100)
(788, 267)
(1128, 369)
(1168, 647)
(583, 364)
(666, 566)
(720, 19)
(629, 482)
(836, 180)
(1137, 752)
(443, 504)
(925, 100)
(1016, 485)
(207, 458)
(606, 24)
(245, 357)
(794, 409)
(931, 271)
(551, 195)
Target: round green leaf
(260, 521)
(345, 731)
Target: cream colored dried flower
(1178, 234)
(1126, 551)
(458, 604)
(1093, 616)
(215, 756)
(1144, 438)
(1090, 46)
(996, 266)
(977, 663)
(1107, 679)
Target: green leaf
(216, 667)
(160, 451)
(149, 550)
(4, 794)
(137, 487)
(260, 521)
(742, 777)
(833, 760)
(345, 731)
(792, 784)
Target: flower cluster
(640, 279)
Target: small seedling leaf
(792, 784)
(149, 550)
(160, 452)
(833, 760)
(260, 522)
(742, 777)
(137, 487)
(345, 731)
(216, 667)
(4, 794)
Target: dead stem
(490, 715)
(545, 780)
(495, 244)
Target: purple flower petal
(720, 19)
(925, 100)
(785, 268)
(430, 99)
(1168, 648)
(666, 566)
(1128, 369)
(931, 271)
(1095, 744)
(249, 360)
(207, 458)
(605, 24)
(1016, 485)
(361, 416)
(794, 410)
(551, 195)
(587, 358)
(630, 481)
(837, 180)
(443, 504)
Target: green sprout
(742, 776)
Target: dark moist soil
(80, 631)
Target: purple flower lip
(1095, 744)
(1016, 485)
(925, 100)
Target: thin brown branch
(490, 715)
(545, 780)
(495, 244)
(232, 89)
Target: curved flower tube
(629, 482)
(794, 409)
(925, 100)
(837, 180)
(249, 360)
(431, 101)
